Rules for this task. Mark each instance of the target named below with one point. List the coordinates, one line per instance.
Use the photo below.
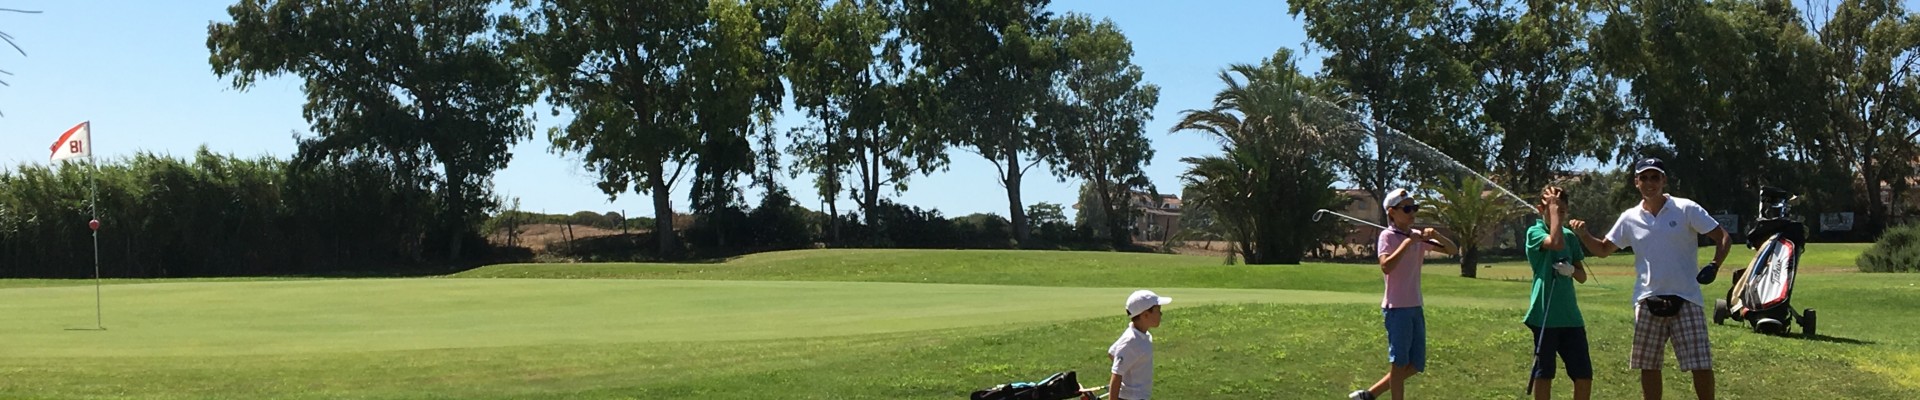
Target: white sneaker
(1360, 395)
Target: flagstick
(93, 200)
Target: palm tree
(16, 46)
(1473, 214)
(1275, 135)
(1220, 184)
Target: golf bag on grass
(1060, 386)
(1762, 293)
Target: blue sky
(139, 71)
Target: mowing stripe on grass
(281, 317)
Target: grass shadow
(1806, 337)
(1833, 339)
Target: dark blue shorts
(1568, 343)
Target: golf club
(1545, 311)
(1323, 211)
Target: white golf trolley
(1762, 293)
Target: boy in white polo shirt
(1133, 353)
(1662, 232)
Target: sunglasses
(1408, 208)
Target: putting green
(325, 316)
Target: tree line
(658, 91)
(413, 106)
(218, 215)
(1820, 97)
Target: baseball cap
(1141, 300)
(1650, 163)
(1394, 198)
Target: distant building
(1912, 197)
(1156, 218)
(1361, 204)
(1361, 238)
(1902, 207)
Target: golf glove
(1562, 268)
(1712, 270)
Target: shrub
(1898, 250)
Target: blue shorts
(1406, 337)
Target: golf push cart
(1060, 386)
(1762, 293)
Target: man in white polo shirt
(1663, 232)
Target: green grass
(997, 267)
(32, 283)
(882, 324)
(208, 319)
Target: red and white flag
(76, 143)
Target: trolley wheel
(1720, 312)
(1807, 323)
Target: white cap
(1141, 300)
(1394, 198)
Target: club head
(1318, 213)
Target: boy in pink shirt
(1402, 251)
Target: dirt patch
(1337, 253)
(537, 237)
(1194, 248)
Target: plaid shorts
(1688, 329)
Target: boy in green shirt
(1558, 329)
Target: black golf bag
(1762, 293)
(1060, 386)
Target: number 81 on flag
(76, 143)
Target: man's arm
(1113, 388)
(1722, 242)
(1596, 247)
